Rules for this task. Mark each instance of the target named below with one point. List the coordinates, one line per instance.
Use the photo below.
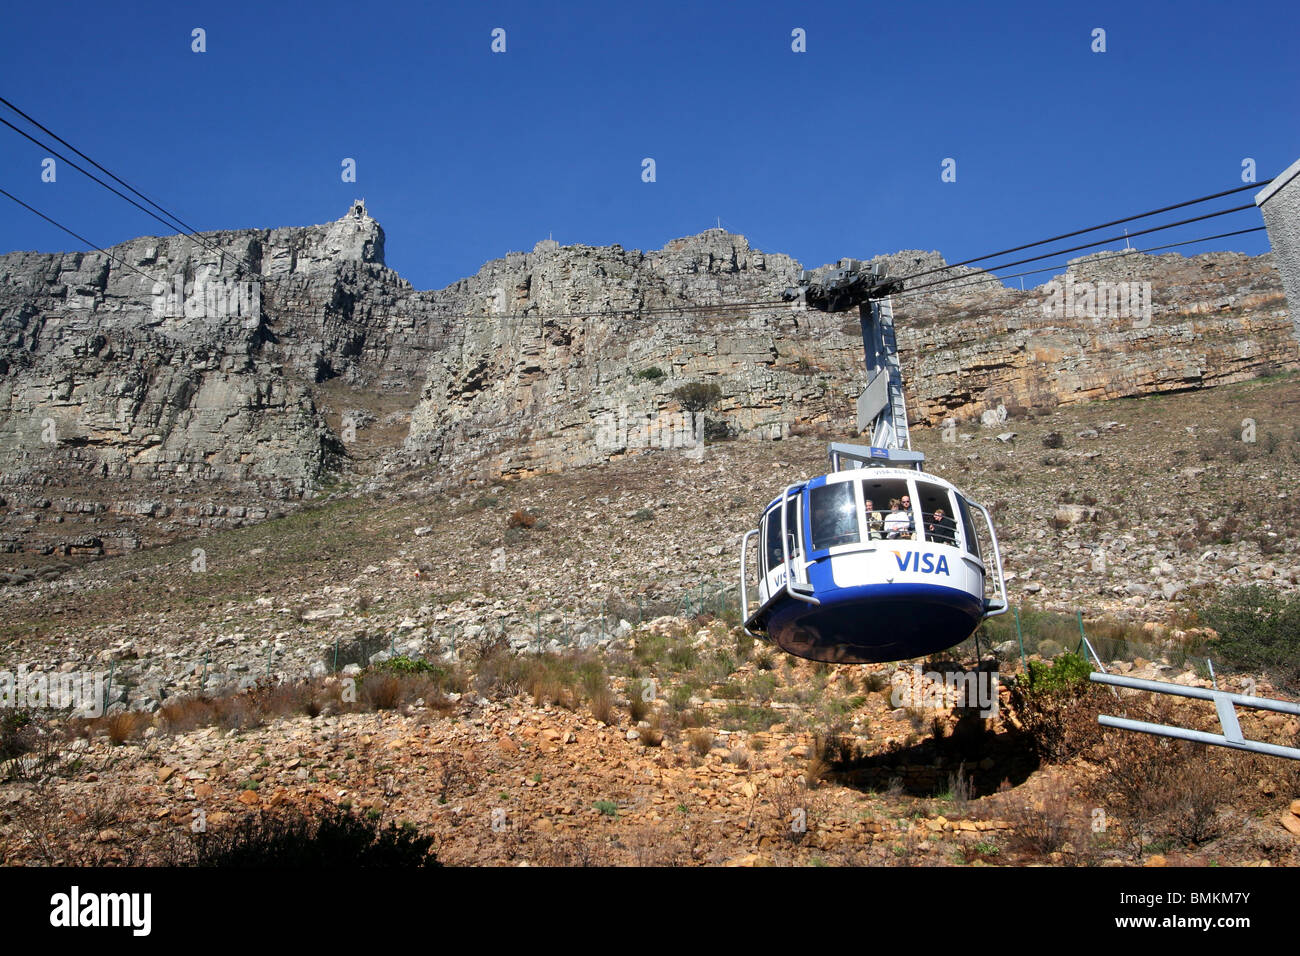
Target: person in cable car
(875, 522)
(942, 530)
(898, 523)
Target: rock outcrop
(533, 390)
(179, 384)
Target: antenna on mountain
(1127, 247)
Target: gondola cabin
(870, 563)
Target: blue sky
(463, 154)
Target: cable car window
(772, 539)
(793, 524)
(937, 522)
(834, 516)
(886, 515)
(968, 526)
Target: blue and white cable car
(843, 574)
(842, 578)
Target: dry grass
(125, 726)
(815, 769)
(182, 714)
(691, 718)
(959, 789)
(637, 708)
(918, 717)
(602, 706)
(1042, 824)
(1163, 790)
(797, 808)
(454, 778)
(521, 519)
(243, 710)
(701, 741)
(384, 691)
(101, 828)
(576, 849)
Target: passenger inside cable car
(936, 522)
(898, 523)
(941, 529)
(875, 521)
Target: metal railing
(785, 545)
(993, 608)
(744, 584)
(1225, 704)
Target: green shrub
(1058, 706)
(1259, 630)
(748, 718)
(762, 686)
(876, 682)
(1066, 675)
(15, 733)
(402, 664)
(683, 657)
(651, 374)
(845, 705)
(638, 708)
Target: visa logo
(916, 561)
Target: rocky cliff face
(180, 380)
(179, 385)
(526, 393)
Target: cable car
(842, 575)
(845, 579)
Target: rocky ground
(1132, 511)
(1146, 507)
(758, 779)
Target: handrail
(992, 609)
(785, 548)
(744, 584)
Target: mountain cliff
(179, 385)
